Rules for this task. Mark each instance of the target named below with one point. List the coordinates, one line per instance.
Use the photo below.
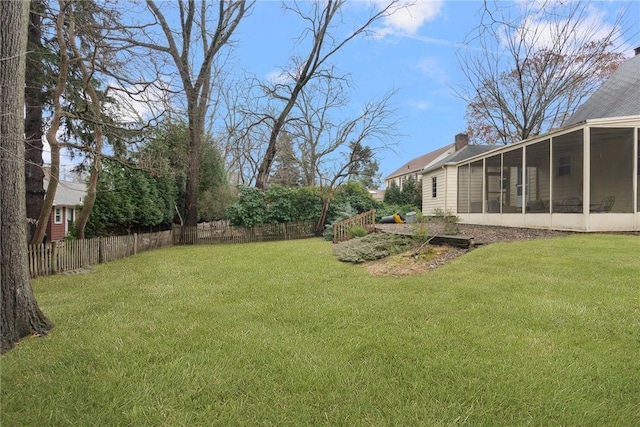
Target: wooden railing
(341, 229)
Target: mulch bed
(405, 264)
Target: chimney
(637, 50)
(462, 140)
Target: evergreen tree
(393, 195)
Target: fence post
(54, 257)
(135, 243)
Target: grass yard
(544, 332)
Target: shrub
(450, 220)
(358, 231)
(280, 202)
(371, 247)
(249, 210)
(356, 195)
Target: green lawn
(542, 333)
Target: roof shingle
(619, 96)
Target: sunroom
(583, 177)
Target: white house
(582, 177)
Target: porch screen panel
(513, 194)
(463, 189)
(568, 173)
(475, 187)
(493, 184)
(538, 179)
(611, 170)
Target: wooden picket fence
(341, 229)
(220, 232)
(59, 257)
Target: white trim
(58, 217)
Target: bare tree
(240, 141)
(315, 106)
(329, 152)
(323, 20)
(192, 43)
(20, 315)
(536, 63)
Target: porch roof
(460, 155)
(69, 193)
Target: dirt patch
(410, 263)
(87, 269)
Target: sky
(413, 53)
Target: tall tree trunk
(196, 131)
(34, 175)
(20, 315)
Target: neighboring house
(64, 211)
(584, 176)
(414, 167)
(377, 195)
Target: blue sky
(415, 55)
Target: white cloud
(409, 16)
(138, 102)
(278, 77)
(590, 24)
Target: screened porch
(583, 178)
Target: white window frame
(57, 215)
(564, 165)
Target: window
(57, 219)
(564, 165)
(434, 186)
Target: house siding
(446, 190)
(56, 231)
(451, 201)
(430, 203)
